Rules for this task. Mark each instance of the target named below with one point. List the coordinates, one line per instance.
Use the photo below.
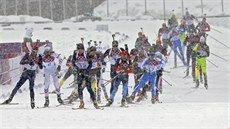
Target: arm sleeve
(25, 59)
(106, 53)
(143, 63)
(74, 59)
(40, 62)
(89, 57)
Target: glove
(59, 68)
(159, 73)
(103, 70)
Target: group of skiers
(146, 61)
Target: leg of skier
(22, 80)
(152, 83)
(31, 87)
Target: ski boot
(123, 102)
(187, 73)
(161, 90)
(197, 83)
(59, 99)
(139, 98)
(98, 99)
(32, 103)
(201, 80)
(73, 97)
(185, 64)
(153, 100)
(144, 94)
(132, 96)
(206, 82)
(96, 105)
(175, 65)
(110, 102)
(129, 100)
(107, 97)
(8, 100)
(194, 80)
(82, 104)
(46, 101)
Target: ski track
(183, 106)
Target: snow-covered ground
(183, 107)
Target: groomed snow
(183, 107)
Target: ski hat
(80, 46)
(164, 25)
(47, 48)
(35, 47)
(152, 54)
(115, 43)
(92, 48)
(202, 39)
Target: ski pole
(167, 81)
(142, 31)
(9, 71)
(113, 35)
(82, 39)
(219, 42)
(107, 82)
(217, 30)
(13, 77)
(212, 63)
(166, 71)
(218, 56)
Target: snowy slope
(183, 107)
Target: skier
(71, 71)
(174, 34)
(150, 65)
(122, 68)
(102, 70)
(145, 43)
(51, 68)
(158, 46)
(30, 62)
(191, 42)
(182, 28)
(114, 56)
(95, 72)
(83, 63)
(160, 58)
(172, 22)
(139, 40)
(189, 22)
(138, 72)
(163, 33)
(203, 27)
(202, 52)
